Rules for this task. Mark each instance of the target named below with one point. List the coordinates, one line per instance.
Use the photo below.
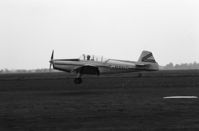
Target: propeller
(51, 60)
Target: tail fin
(146, 56)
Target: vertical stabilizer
(146, 56)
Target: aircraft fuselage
(109, 67)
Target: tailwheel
(78, 80)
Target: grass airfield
(122, 102)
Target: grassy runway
(124, 102)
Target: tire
(78, 80)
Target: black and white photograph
(99, 65)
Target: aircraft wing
(87, 69)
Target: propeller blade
(52, 56)
(51, 60)
(50, 67)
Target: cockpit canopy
(87, 57)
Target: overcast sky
(119, 29)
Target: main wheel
(78, 80)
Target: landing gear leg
(78, 79)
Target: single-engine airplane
(96, 66)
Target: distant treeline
(170, 66)
(25, 71)
(183, 66)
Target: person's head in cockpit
(88, 57)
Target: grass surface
(51, 102)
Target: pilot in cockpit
(88, 57)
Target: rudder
(146, 56)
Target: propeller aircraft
(96, 66)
